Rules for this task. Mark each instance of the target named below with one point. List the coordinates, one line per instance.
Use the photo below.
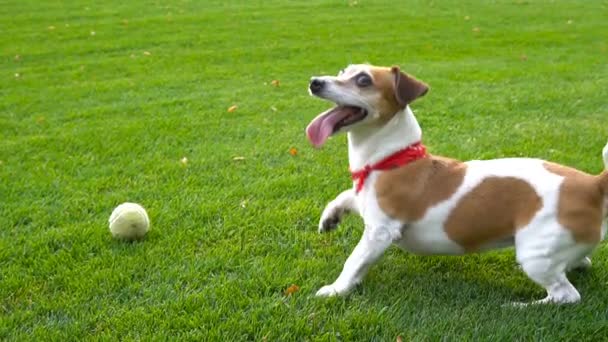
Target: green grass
(88, 121)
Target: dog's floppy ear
(407, 88)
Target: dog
(554, 215)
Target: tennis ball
(129, 221)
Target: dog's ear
(407, 88)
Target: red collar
(400, 158)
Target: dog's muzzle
(316, 85)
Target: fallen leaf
(51, 27)
(399, 338)
(17, 57)
(147, 53)
(466, 17)
(523, 57)
(275, 83)
(475, 29)
(292, 289)
(184, 161)
(40, 120)
(232, 108)
(238, 158)
(293, 151)
(353, 3)
(273, 108)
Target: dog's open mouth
(330, 121)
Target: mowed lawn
(100, 102)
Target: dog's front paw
(327, 291)
(330, 219)
(329, 224)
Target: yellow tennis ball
(129, 221)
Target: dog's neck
(369, 145)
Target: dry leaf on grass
(147, 53)
(232, 108)
(292, 289)
(238, 158)
(184, 161)
(475, 29)
(293, 151)
(275, 83)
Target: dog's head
(364, 95)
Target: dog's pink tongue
(321, 127)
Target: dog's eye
(363, 80)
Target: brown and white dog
(553, 215)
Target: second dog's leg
(369, 249)
(336, 209)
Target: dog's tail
(603, 177)
(605, 156)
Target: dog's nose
(316, 85)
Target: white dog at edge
(553, 215)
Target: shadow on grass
(481, 279)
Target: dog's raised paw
(329, 224)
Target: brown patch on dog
(492, 211)
(407, 192)
(581, 200)
(397, 89)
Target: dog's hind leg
(580, 264)
(334, 211)
(546, 250)
(551, 276)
